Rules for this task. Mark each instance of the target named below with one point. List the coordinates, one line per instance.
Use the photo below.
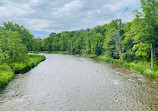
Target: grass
(53, 52)
(7, 72)
(60, 52)
(138, 67)
(34, 60)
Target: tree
(24, 34)
(97, 44)
(114, 36)
(150, 9)
(12, 50)
(63, 41)
(47, 44)
(110, 44)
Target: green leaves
(142, 49)
(12, 50)
(24, 34)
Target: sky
(42, 17)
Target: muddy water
(70, 83)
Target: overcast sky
(42, 17)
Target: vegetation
(132, 44)
(15, 42)
(6, 74)
(31, 63)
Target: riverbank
(8, 72)
(143, 69)
(138, 67)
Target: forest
(133, 44)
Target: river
(72, 83)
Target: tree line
(132, 41)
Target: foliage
(12, 50)
(15, 42)
(33, 61)
(6, 74)
(24, 34)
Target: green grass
(60, 52)
(139, 67)
(33, 61)
(7, 72)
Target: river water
(71, 83)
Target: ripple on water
(70, 83)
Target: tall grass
(143, 69)
(33, 61)
(6, 74)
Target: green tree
(150, 9)
(12, 50)
(64, 41)
(24, 34)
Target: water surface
(71, 83)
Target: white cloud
(15, 10)
(35, 2)
(60, 15)
(37, 24)
(68, 8)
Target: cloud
(37, 24)
(11, 9)
(46, 16)
(68, 9)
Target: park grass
(7, 72)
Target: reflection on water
(70, 83)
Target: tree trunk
(152, 56)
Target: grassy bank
(7, 72)
(55, 52)
(33, 61)
(143, 69)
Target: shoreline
(8, 72)
(140, 69)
